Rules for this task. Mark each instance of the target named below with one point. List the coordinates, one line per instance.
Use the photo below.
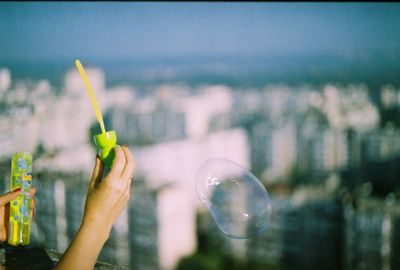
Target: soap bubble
(236, 199)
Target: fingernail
(125, 145)
(17, 189)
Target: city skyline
(306, 96)
(295, 146)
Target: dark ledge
(37, 258)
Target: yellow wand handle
(92, 97)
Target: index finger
(97, 173)
(7, 197)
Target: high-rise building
(5, 80)
(274, 148)
(329, 150)
(172, 167)
(139, 125)
(371, 234)
(389, 96)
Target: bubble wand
(105, 141)
(92, 97)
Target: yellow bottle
(19, 220)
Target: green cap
(106, 142)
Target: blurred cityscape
(328, 154)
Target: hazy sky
(50, 30)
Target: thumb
(7, 197)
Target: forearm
(84, 249)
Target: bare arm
(105, 201)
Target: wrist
(95, 231)
(84, 249)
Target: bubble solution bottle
(19, 220)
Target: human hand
(5, 210)
(106, 198)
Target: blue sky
(49, 30)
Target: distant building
(389, 96)
(371, 235)
(304, 232)
(329, 150)
(332, 106)
(172, 167)
(306, 127)
(246, 107)
(371, 146)
(354, 148)
(381, 144)
(140, 124)
(350, 108)
(281, 151)
(258, 142)
(390, 147)
(277, 100)
(5, 80)
(18, 131)
(199, 109)
(118, 97)
(169, 116)
(274, 148)
(143, 227)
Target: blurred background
(304, 95)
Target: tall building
(332, 106)
(5, 80)
(172, 167)
(329, 150)
(371, 234)
(306, 130)
(199, 109)
(281, 150)
(371, 146)
(274, 148)
(304, 232)
(143, 125)
(389, 96)
(18, 129)
(354, 148)
(276, 99)
(143, 227)
(258, 142)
